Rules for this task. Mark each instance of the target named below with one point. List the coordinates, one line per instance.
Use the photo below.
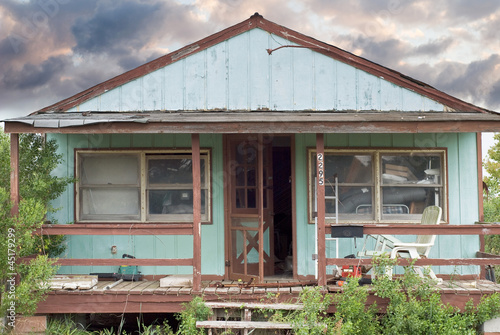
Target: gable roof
(257, 21)
(444, 107)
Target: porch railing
(480, 229)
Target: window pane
(108, 169)
(348, 168)
(173, 202)
(240, 198)
(354, 199)
(410, 200)
(251, 198)
(173, 170)
(115, 201)
(411, 169)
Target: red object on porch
(351, 271)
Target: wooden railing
(481, 229)
(120, 229)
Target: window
(152, 186)
(380, 185)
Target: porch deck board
(148, 296)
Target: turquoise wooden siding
(462, 202)
(462, 193)
(239, 74)
(87, 246)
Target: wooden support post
(195, 146)
(320, 180)
(260, 162)
(479, 144)
(14, 173)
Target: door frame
(228, 203)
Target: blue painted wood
(239, 74)
(325, 83)
(462, 192)
(237, 62)
(259, 76)
(174, 86)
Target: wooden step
(242, 325)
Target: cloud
(51, 49)
(124, 23)
(434, 47)
(31, 75)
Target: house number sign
(321, 177)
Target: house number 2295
(321, 177)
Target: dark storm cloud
(31, 75)
(434, 48)
(124, 23)
(476, 82)
(385, 52)
(493, 98)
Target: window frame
(144, 216)
(378, 185)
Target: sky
(52, 49)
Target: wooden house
(203, 162)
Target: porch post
(479, 149)
(320, 180)
(195, 147)
(14, 173)
(260, 204)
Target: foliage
(352, 312)
(491, 203)
(37, 187)
(65, 326)
(196, 310)
(313, 318)
(492, 167)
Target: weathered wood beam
(320, 196)
(271, 127)
(124, 261)
(260, 203)
(416, 229)
(117, 229)
(421, 261)
(195, 147)
(112, 303)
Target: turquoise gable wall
(462, 202)
(143, 246)
(462, 191)
(239, 74)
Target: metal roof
(221, 121)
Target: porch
(149, 297)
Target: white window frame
(143, 187)
(378, 186)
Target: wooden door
(249, 227)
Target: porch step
(242, 325)
(227, 311)
(242, 306)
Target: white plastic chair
(414, 250)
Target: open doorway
(282, 199)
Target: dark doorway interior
(282, 199)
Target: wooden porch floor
(149, 297)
